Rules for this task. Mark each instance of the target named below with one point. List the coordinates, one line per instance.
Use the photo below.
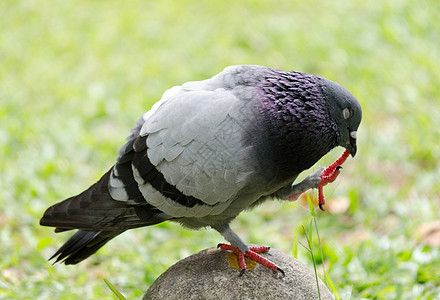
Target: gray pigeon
(209, 150)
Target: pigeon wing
(191, 158)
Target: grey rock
(208, 275)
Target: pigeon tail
(81, 245)
(95, 210)
(98, 217)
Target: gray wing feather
(196, 140)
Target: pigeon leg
(292, 192)
(242, 250)
(252, 254)
(318, 180)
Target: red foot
(329, 175)
(252, 255)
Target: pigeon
(209, 150)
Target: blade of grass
(311, 206)
(331, 285)
(319, 243)
(329, 282)
(310, 249)
(114, 290)
(295, 247)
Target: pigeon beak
(353, 147)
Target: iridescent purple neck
(297, 120)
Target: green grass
(75, 76)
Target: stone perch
(213, 274)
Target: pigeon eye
(347, 113)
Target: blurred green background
(76, 75)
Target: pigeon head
(306, 116)
(345, 111)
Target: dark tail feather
(95, 210)
(98, 217)
(81, 245)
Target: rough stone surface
(208, 275)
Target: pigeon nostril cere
(353, 134)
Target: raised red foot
(329, 175)
(252, 255)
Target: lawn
(76, 75)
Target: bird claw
(329, 175)
(281, 271)
(252, 254)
